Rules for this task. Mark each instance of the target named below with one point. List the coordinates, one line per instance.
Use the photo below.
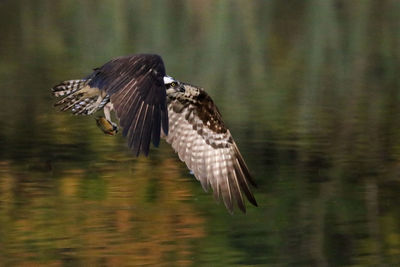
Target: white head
(168, 80)
(173, 86)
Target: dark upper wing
(198, 135)
(137, 91)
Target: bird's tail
(78, 97)
(68, 87)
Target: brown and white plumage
(145, 101)
(199, 136)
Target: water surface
(309, 89)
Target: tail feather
(78, 97)
(73, 102)
(70, 98)
(86, 106)
(68, 87)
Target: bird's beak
(181, 88)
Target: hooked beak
(181, 88)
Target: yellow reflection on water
(67, 218)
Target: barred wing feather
(213, 157)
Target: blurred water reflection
(309, 89)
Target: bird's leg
(107, 113)
(105, 124)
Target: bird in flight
(151, 105)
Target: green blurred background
(309, 89)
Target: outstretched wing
(137, 91)
(198, 135)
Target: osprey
(149, 105)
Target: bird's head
(173, 86)
(180, 90)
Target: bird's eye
(173, 84)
